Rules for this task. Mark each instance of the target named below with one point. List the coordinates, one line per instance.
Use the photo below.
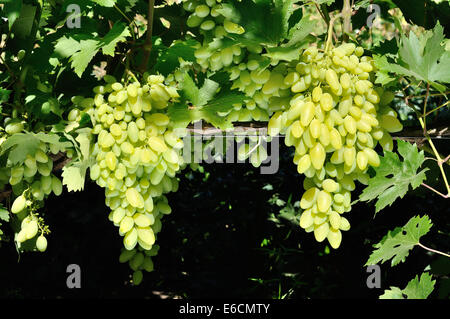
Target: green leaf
(423, 58)
(221, 104)
(4, 214)
(285, 53)
(179, 114)
(264, 21)
(190, 90)
(393, 293)
(73, 177)
(24, 23)
(74, 174)
(416, 289)
(404, 173)
(4, 95)
(81, 52)
(105, 3)
(66, 47)
(207, 91)
(19, 145)
(420, 288)
(168, 59)
(11, 10)
(383, 66)
(397, 243)
(80, 59)
(117, 34)
(301, 30)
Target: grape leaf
(179, 114)
(264, 21)
(423, 58)
(117, 34)
(207, 91)
(388, 189)
(206, 104)
(73, 177)
(83, 51)
(420, 288)
(74, 174)
(20, 145)
(11, 10)
(416, 289)
(4, 214)
(105, 3)
(190, 90)
(4, 95)
(23, 24)
(393, 293)
(222, 103)
(66, 47)
(301, 30)
(81, 58)
(168, 59)
(398, 242)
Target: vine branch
(148, 41)
(347, 16)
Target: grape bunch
(136, 159)
(243, 63)
(254, 149)
(335, 119)
(32, 181)
(206, 15)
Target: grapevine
(338, 99)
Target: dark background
(211, 244)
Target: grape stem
(132, 75)
(438, 157)
(435, 109)
(254, 148)
(433, 250)
(330, 35)
(129, 21)
(433, 190)
(329, 43)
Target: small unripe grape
(41, 243)
(137, 277)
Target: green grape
(323, 201)
(14, 127)
(137, 277)
(146, 235)
(41, 243)
(334, 237)
(19, 204)
(321, 231)
(31, 229)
